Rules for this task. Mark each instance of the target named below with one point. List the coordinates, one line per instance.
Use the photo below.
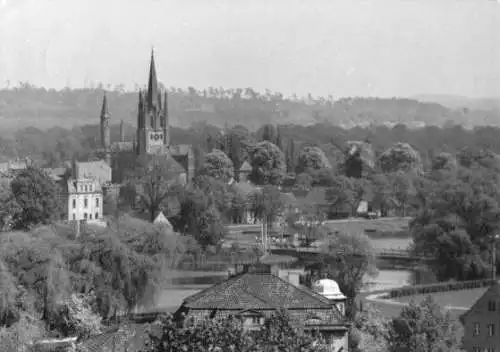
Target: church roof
(122, 146)
(99, 170)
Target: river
(183, 284)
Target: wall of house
(338, 341)
(77, 208)
(482, 341)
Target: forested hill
(37, 107)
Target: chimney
(292, 276)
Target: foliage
(369, 332)
(200, 216)
(268, 133)
(218, 165)
(151, 180)
(340, 193)
(266, 204)
(355, 258)
(312, 158)
(444, 161)
(456, 224)
(37, 195)
(227, 334)
(268, 164)
(400, 157)
(424, 328)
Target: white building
(84, 199)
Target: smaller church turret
(105, 132)
(122, 131)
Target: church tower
(105, 133)
(152, 117)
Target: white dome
(328, 288)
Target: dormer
(251, 319)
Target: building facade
(482, 323)
(83, 200)
(259, 291)
(152, 135)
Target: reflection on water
(184, 284)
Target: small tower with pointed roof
(105, 131)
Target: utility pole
(494, 257)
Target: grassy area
(374, 227)
(464, 298)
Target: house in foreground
(257, 293)
(482, 322)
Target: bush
(437, 288)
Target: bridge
(312, 254)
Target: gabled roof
(133, 336)
(479, 305)
(245, 167)
(255, 291)
(161, 219)
(99, 170)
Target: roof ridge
(307, 291)
(211, 288)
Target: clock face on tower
(154, 140)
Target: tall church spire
(104, 108)
(105, 133)
(152, 85)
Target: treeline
(218, 106)
(58, 144)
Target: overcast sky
(338, 47)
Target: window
(90, 216)
(477, 330)
(492, 306)
(85, 203)
(74, 216)
(86, 189)
(476, 349)
(97, 215)
(85, 215)
(491, 329)
(74, 203)
(90, 188)
(97, 202)
(490, 349)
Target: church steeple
(104, 107)
(152, 94)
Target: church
(152, 135)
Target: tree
(266, 204)
(424, 327)
(402, 190)
(444, 161)
(227, 334)
(290, 157)
(340, 193)
(8, 207)
(37, 195)
(268, 132)
(200, 217)
(382, 193)
(218, 165)
(354, 259)
(400, 157)
(312, 158)
(268, 164)
(369, 332)
(152, 179)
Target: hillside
(37, 107)
(460, 102)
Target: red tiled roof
(256, 291)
